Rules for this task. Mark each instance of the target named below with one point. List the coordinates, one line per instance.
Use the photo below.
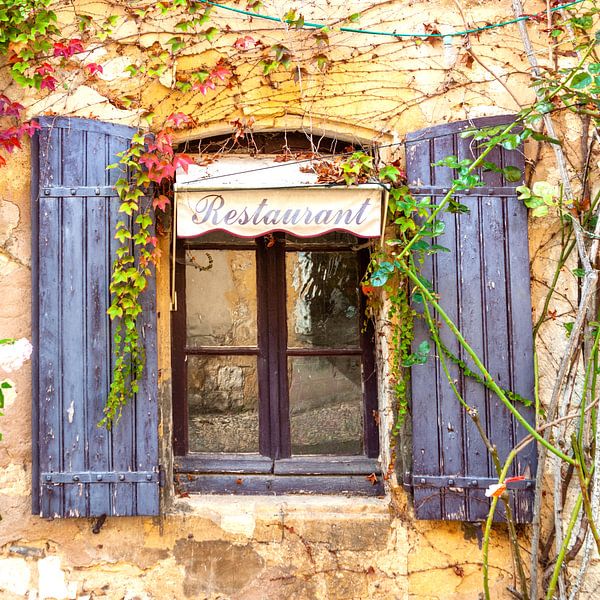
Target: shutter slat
(122, 432)
(451, 419)
(471, 261)
(49, 298)
(146, 449)
(73, 342)
(74, 252)
(483, 285)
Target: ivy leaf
(512, 174)
(581, 81)
(220, 72)
(176, 44)
(419, 357)
(161, 202)
(244, 43)
(211, 33)
(178, 119)
(94, 68)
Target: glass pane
(326, 408)
(222, 396)
(220, 294)
(322, 299)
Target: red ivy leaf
(179, 119)
(183, 161)
(94, 68)
(161, 202)
(29, 128)
(8, 108)
(245, 43)
(67, 50)
(9, 139)
(204, 87)
(221, 72)
(48, 83)
(44, 69)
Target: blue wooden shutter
(80, 469)
(484, 285)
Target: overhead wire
(310, 25)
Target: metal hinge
(101, 477)
(458, 481)
(82, 191)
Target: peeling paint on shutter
(80, 469)
(484, 285)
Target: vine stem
(493, 385)
(474, 415)
(564, 174)
(563, 548)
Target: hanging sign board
(301, 211)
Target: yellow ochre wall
(302, 548)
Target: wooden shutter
(80, 469)
(484, 286)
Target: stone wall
(375, 89)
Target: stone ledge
(324, 506)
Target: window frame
(273, 469)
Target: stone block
(216, 566)
(15, 575)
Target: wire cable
(309, 25)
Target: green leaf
(419, 357)
(512, 174)
(594, 68)
(176, 44)
(580, 81)
(569, 327)
(211, 33)
(578, 272)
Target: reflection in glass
(322, 299)
(335, 238)
(220, 297)
(326, 410)
(222, 396)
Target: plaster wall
(375, 89)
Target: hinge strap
(451, 481)
(79, 191)
(101, 477)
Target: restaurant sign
(302, 211)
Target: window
(280, 360)
(273, 364)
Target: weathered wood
(271, 484)
(74, 248)
(483, 285)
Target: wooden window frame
(272, 470)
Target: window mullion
(272, 350)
